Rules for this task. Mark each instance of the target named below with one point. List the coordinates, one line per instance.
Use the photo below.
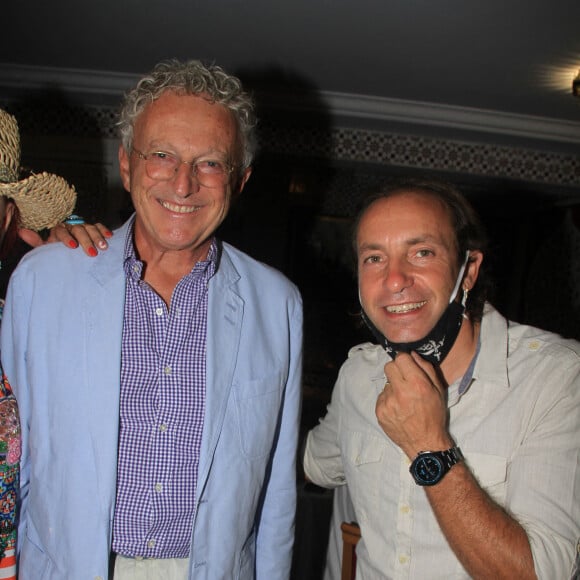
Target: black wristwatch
(429, 467)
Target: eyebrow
(427, 238)
(423, 239)
(164, 147)
(369, 247)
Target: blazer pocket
(258, 408)
(33, 562)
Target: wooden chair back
(350, 538)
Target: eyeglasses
(164, 166)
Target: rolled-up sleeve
(544, 491)
(322, 457)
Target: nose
(398, 276)
(185, 181)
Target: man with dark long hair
(458, 433)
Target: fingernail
(102, 244)
(92, 252)
(73, 244)
(108, 234)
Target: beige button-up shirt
(518, 425)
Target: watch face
(428, 469)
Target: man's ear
(242, 181)
(472, 269)
(124, 168)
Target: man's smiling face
(407, 264)
(179, 213)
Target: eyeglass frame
(230, 168)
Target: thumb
(427, 368)
(31, 237)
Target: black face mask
(435, 346)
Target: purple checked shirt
(162, 405)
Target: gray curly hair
(192, 77)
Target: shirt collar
(134, 267)
(492, 362)
(468, 375)
(489, 363)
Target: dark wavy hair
(469, 231)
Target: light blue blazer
(61, 347)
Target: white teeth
(405, 307)
(179, 208)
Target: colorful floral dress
(10, 448)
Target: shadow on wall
(280, 219)
(552, 283)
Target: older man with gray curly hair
(159, 385)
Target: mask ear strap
(464, 298)
(459, 277)
(374, 330)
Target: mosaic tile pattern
(339, 144)
(381, 148)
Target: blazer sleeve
(275, 536)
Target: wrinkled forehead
(192, 114)
(416, 204)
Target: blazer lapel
(104, 326)
(224, 325)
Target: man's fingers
(408, 368)
(427, 368)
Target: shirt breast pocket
(491, 474)
(363, 456)
(257, 405)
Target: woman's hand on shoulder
(91, 237)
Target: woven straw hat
(43, 199)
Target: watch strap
(452, 456)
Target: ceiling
(499, 67)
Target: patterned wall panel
(369, 152)
(342, 144)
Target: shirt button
(403, 559)
(159, 487)
(534, 344)
(405, 509)
(167, 370)
(159, 311)
(163, 427)
(151, 543)
(136, 269)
